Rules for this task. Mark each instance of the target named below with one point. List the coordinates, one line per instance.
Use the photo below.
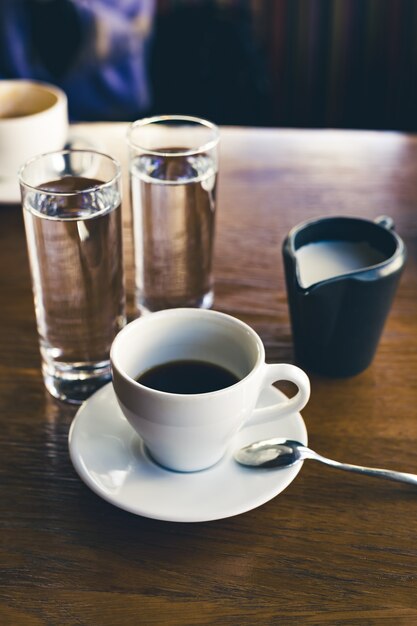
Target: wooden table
(334, 548)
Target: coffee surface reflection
(188, 376)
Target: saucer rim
(287, 475)
(10, 192)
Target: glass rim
(63, 152)
(146, 121)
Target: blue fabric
(100, 48)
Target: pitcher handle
(385, 221)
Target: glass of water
(173, 174)
(72, 212)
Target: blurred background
(300, 63)
(288, 63)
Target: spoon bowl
(276, 452)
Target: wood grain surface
(334, 548)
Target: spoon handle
(401, 477)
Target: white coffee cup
(192, 432)
(33, 120)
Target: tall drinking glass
(173, 172)
(72, 212)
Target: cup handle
(272, 374)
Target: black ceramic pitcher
(337, 321)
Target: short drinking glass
(173, 172)
(72, 212)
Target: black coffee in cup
(187, 376)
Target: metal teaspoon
(285, 452)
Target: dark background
(295, 63)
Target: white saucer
(110, 458)
(9, 187)
(9, 190)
